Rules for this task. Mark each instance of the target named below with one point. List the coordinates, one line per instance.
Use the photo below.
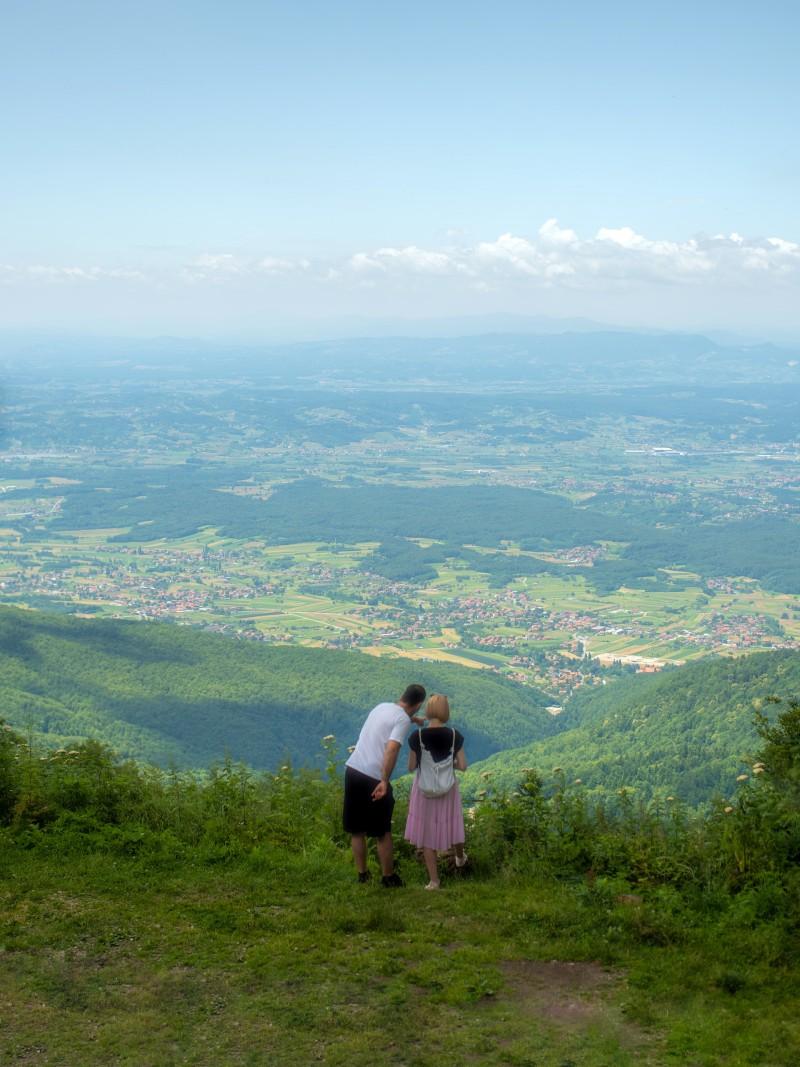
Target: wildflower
(742, 777)
(44, 757)
(728, 810)
(579, 781)
(481, 794)
(670, 798)
(351, 748)
(557, 770)
(486, 775)
(328, 737)
(758, 770)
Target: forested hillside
(161, 692)
(686, 733)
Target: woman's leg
(432, 865)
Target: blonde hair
(438, 707)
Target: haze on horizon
(243, 169)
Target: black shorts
(362, 814)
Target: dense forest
(687, 732)
(165, 693)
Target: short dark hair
(413, 695)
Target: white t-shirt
(386, 722)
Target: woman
(436, 823)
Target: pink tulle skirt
(434, 822)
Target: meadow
(152, 919)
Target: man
(368, 796)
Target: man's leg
(358, 843)
(386, 854)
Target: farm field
(320, 594)
(555, 537)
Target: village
(317, 595)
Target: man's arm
(390, 754)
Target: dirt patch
(575, 996)
(559, 990)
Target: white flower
(742, 777)
(758, 770)
(579, 781)
(728, 810)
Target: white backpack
(435, 779)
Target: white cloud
(47, 273)
(614, 258)
(551, 233)
(411, 259)
(223, 266)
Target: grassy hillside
(161, 693)
(137, 964)
(686, 732)
(151, 919)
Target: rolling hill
(162, 693)
(687, 732)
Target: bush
(742, 856)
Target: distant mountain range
(563, 353)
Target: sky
(241, 168)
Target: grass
(282, 959)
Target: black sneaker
(364, 876)
(392, 881)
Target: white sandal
(433, 885)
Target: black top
(438, 740)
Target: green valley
(169, 694)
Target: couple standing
(435, 819)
